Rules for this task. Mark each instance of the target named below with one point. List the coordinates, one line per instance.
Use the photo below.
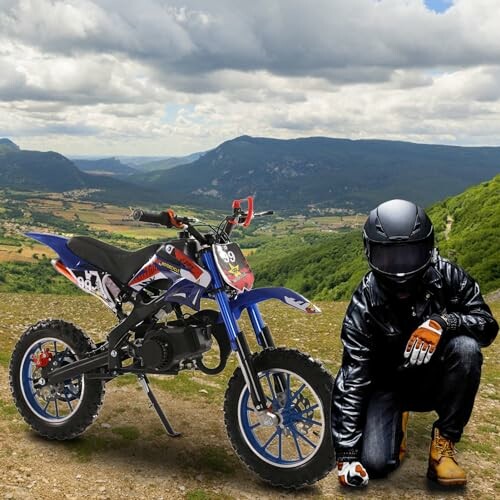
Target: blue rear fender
(60, 245)
(285, 295)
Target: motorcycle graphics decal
(94, 282)
(187, 267)
(303, 305)
(146, 274)
(233, 266)
(181, 267)
(289, 297)
(61, 268)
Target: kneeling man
(412, 338)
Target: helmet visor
(400, 259)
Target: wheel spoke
(69, 403)
(57, 408)
(250, 409)
(255, 425)
(55, 347)
(302, 387)
(270, 440)
(299, 434)
(310, 421)
(280, 444)
(47, 405)
(308, 409)
(288, 393)
(296, 444)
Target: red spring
(43, 359)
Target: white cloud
(85, 76)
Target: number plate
(233, 266)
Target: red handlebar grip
(249, 216)
(173, 219)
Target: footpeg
(143, 380)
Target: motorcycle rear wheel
(56, 412)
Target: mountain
(6, 146)
(326, 267)
(167, 163)
(52, 172)
(29, 170)
(324, 172)
(104, 166)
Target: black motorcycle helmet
(399, 243)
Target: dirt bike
(277, 403)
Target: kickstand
(143, 380)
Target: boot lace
(446, 448)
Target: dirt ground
(126, 454)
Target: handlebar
(168, 218)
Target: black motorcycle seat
(121, 264)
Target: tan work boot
(404, 441)
(443, 467)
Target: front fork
(237, 338)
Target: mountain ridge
(324, 172)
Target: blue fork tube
(238, 341)
(262, 332)
(266, 341)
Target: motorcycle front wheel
(290, 445)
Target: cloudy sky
(171, 77)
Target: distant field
(70, 215)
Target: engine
(163, 347)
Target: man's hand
(423, 341)
(352, 474)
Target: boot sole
(445, 482)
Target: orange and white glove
(423, 341)
(352, 474)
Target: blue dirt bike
(277, 403)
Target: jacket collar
(432, 278)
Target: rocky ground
(126, 454)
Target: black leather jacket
(375, 332)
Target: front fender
(287, 296)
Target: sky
(168, 77)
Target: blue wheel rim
(65, 402)
(289, 435)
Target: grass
(7, 409)
(185, 386)
(4, 359)
(87, 446)
(127, 432)
(201, 494)
(214, 459)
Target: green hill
(330, 267)
(468, 231)
(324, 172)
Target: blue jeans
(448, 385)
